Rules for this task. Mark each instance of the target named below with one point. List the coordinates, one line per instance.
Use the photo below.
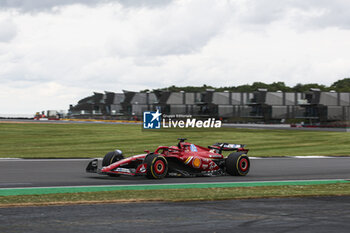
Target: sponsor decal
(188, 160)
(215, 156)
(120, 169)
(196, 162)
(142, 168)
(212, 166)
(193, 148)
(232, 146)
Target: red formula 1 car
(185, 159)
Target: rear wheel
(237, 164)
(157, 166)
(111, 157)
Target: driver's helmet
(118, 152)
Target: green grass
(174, 195)
(94, 140)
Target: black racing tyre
(237, 164)
(111, 157)
(157, 166)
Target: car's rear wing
(223, 146)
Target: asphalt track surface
(307, 214)
(310, 214)
(71, 172)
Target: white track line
(312, 157)
(176, 184)
(10, 158)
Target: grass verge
(94, 140)
(176, 195)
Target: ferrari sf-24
(185, 159)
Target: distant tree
(257, 85)
(173, 88)
(279, 86)
(244, 88)
(341, 85)
(306, 87)
(298, 87)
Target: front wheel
(157, 166)
(237, 164)
(112, 157)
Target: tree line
(342, 85)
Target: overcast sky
(55, 52)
